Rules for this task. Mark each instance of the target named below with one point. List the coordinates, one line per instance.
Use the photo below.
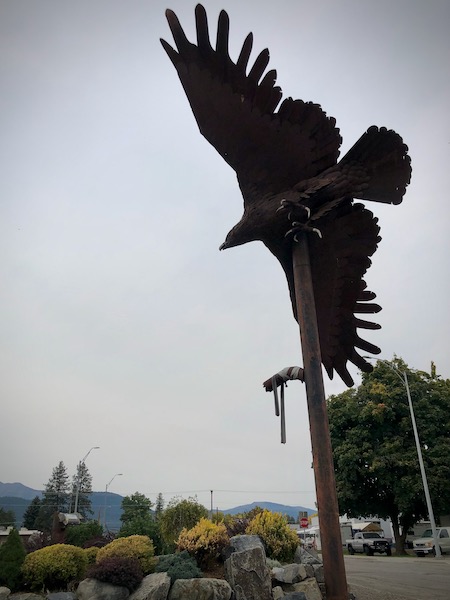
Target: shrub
(12, 555)
(118, 570)
(91, 554)
(79, 535)
(278, 538)
(180, 565)
(205, 541)
(54, 567)
(179, 514)
(134, 546)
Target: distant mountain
(18, 490)
(290, 511)
(17, 497)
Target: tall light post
(404, 379)
(77, 492)
(106, 495)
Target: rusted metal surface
(327, 504)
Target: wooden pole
(327, 505)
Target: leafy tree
(83, 481)
(138, 519)
(178, 514)
(32, 512)
(55, 498)
(12, 555)
(79, 535)
(375, 456)
(7, 517)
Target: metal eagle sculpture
(286, 160)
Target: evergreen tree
(31, 514)
(83, 481)
(55, 498)
(7, 517)
(159, 507)
(12, 555)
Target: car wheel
(351, 550)
(388, 552)
(367, 551)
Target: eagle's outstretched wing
(290, 154)
(235, 108)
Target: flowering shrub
(278, 538)
(204, 541)
(54, 567)
(134, 546)
(122, 571)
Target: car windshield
(370, 536)
(428, 533)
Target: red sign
(304, 522)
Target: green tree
(7, 517)
(178, 514)
(159, 506)
(82, 481)
(55, 498)
(78, 535)
(32, 512)
(12, 555)
(138, 519)
(375, 456)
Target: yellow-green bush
(91, 554)
(204, 541)
(133, 546)
(54, 567)
(278, 538)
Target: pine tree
(12, 555)
(159, 507)
(82, 481)
(31, 514)
(55, 499)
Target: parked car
(369, 542)
(425, 545)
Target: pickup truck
(368, 542)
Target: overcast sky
(122, 325)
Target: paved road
(398, 578)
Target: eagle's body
(288, 158)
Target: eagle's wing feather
(339, 260)
(235, 111)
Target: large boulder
(248, 575)
(92, 589)
(304, 557)
(61, 596)
(25, 596)
(4, 593)
(153, 587)
(200, 589)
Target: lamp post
(106, 495)
(404, 379)
(77, 492)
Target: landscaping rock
(92, 589)
(248, 575)
(200, 589)
(277, 593)
(153, 587)
(4, 593)
(295, 596)
(61, 596)
(310, 589)
(289, 573)
(318, 573)
(304, 557)
(25, 596)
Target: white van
(425, 544)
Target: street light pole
(106, 495)
(404, 379)
(77, 492)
